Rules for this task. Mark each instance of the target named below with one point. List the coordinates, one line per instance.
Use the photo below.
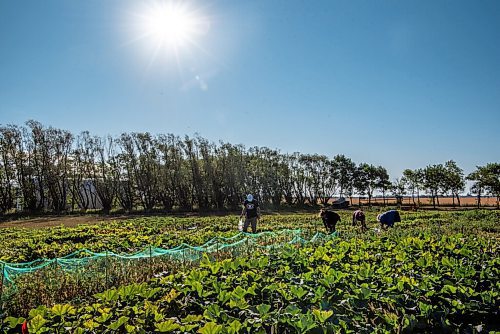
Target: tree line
(49, 169)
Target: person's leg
(246, 224)
(358, 222)
(254, 224)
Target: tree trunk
(458, 199)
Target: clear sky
(402, 84)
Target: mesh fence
(84, 272)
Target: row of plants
(403, 280)
(83, 274)
(23, 245)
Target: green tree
(413, 183)
(398, 188)
(7, 167)
(493, 181)
(367, 180)
(383, 183)
(434, 177)
(454, 180)
(344, 169)
(486, 180)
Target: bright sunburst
(171, 25)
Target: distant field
(443, 201)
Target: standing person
(359, 216)
(251, 211)
(388, 218)
(330, 219)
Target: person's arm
(354, 218)
(258, 212)
(244, 211)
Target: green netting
(110, 263)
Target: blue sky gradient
(401, 84)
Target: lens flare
(171, 25)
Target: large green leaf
(322, 315)
(13, 322)
(210, 328)
(167, 326)
(118, 323)
(36, 325)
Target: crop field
(434, 272)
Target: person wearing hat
(359, 216)
(251, 211)
(388, 218)
(330, 219)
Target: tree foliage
(49, 169)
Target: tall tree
(105, 174)
(344, 168)
(398, 188)
(486, 179)
(493, 181)
(199, 194)
(454, 180)
(296, 165)
(82, 162)
(285, 178)
(367, 180)
(383, 183)
(125, 166)
(414, 181)
(146, 170)
(434, 177)
(8, 152)
(57, 147)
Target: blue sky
(401, 84)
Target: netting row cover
(184, 252)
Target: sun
(171, 25)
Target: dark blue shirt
(390, 217)
(251, 208)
